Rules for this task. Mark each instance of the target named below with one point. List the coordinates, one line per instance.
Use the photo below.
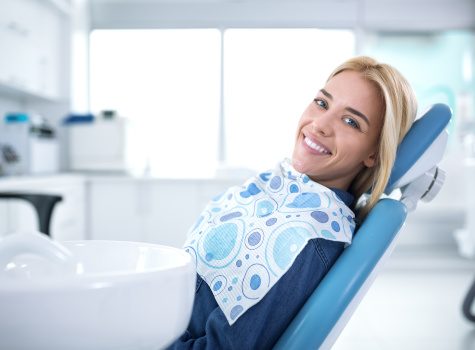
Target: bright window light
(167, 84)
(270, 76)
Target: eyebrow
(349, 109)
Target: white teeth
(316, 147)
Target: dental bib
(246, 239)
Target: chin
(299, 165)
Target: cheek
(373, 143)
(300, 124)
(355, 147)
(367, 150)
(306, 116)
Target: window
(168, 84)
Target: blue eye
(321, 103)
(351, 122)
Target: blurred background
(137, 112)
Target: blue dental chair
(326, 312)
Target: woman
(262, 248)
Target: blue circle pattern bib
(247, 238)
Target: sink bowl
(92, 294)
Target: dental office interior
(137, 112)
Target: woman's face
(338, 133)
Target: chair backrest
(326, 312)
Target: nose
(323, 124)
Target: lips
(316, 146)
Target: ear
(370, 161)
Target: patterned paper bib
(247, 238)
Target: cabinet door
(30, 41)
(174, 206)
(69, 218)
(116, 211)
(46, 44)
(17, 59)
(171, 208)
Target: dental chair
(42, 203)
(415, 174)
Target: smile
(319, 148)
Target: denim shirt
(261, 326)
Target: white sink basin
(92, 294)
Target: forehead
(351, 89)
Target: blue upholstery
(345, 280)
(421, 135)
(325, 306)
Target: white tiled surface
(415, 303)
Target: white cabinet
(114, 211)
(151, 210)
(30, 43)
(112, 207)
(69, 216)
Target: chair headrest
(413, 154)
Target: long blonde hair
(400, 108)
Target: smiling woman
(262, 247)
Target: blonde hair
(400, 108)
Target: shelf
(24, 94)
